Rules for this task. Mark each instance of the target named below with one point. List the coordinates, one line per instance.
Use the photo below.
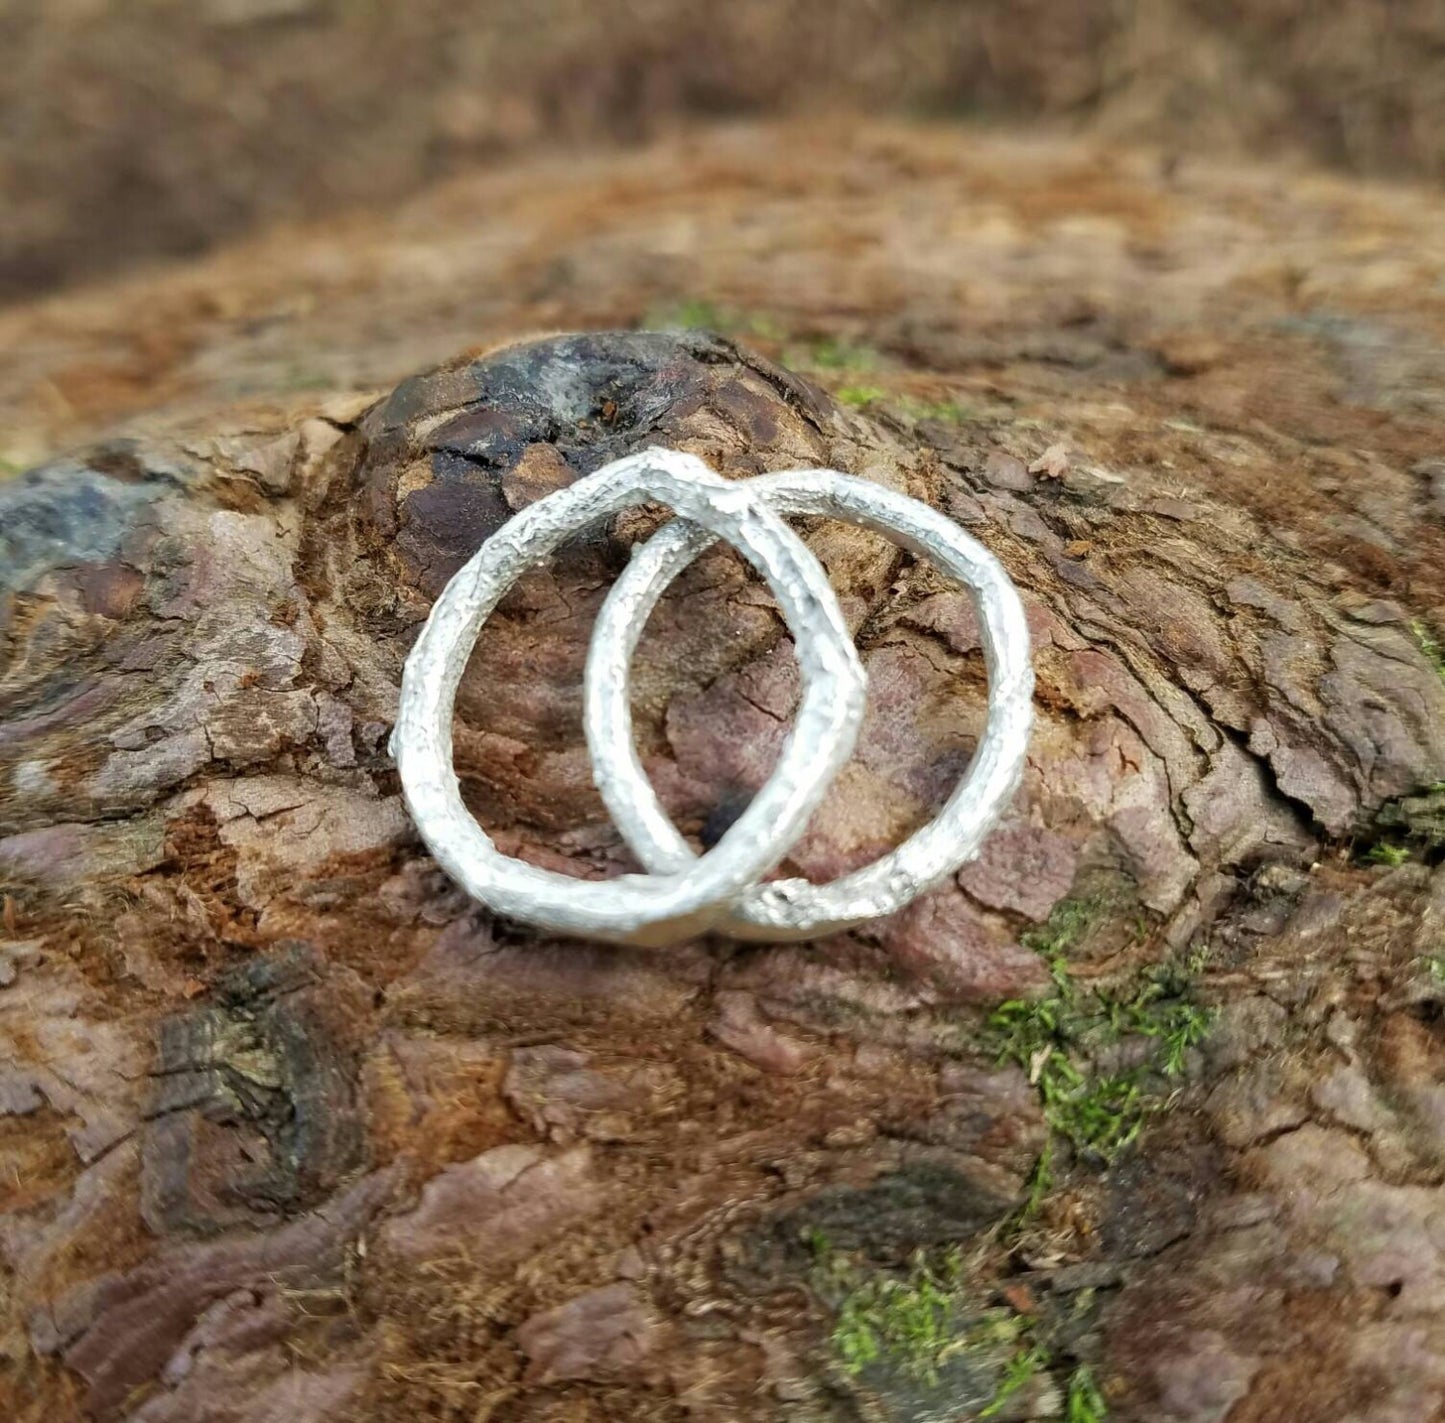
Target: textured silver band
(685, 894)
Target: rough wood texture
(291, 1130)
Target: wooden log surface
(291, 1129)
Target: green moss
(1033, 1356)
(1027, 1362)
(911, 1323)
(1409, 826)
(1388, 854)
(832, 354)
(1067, 926)
(1084, 1403)
(1429, 645)
(945, 412)
(827, 353)
(859, 394)
(1057, 1040)
(925, 1324)
(687, 315)
(862, 394)
(700, 314)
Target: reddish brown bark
(292, 1129)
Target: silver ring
(640, 909)
(685, 894)
(795, 908)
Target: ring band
(795, 908)
(641, 909)
(685, 894)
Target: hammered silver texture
(723, 890)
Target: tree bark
(292, 1128)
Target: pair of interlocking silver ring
(724, 890)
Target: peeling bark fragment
(595, 1336)
(237, 1395)
(497, 1208)
(1025, 868)
(52, 1053)
(120, 1330)
(943, 940)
